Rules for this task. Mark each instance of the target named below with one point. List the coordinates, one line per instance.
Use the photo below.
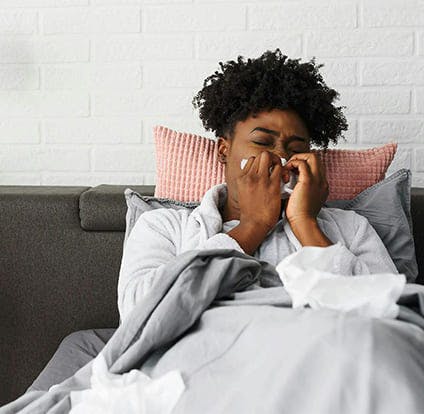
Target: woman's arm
(357, 250)
(155, 241)
(150, 245)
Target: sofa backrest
(60, 253)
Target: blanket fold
(224, 320)
(181, 292)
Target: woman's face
(281, 132)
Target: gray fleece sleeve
(360, 251)
(150, 246)
(364, 253)
(221, 241)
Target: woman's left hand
(311, 190)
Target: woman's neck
(230, 210)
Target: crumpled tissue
(129, 393)
(285, 188)
(306, 280)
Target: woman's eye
(260, 143)
(298, 151)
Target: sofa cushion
(103, 208)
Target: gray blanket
(224, 320)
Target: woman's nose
(281, 153)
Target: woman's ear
(223, 147)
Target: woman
(260, 109)
(263, 110)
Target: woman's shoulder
(165, 216)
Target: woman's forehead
(280, 123)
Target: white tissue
(285, 188)
(305, 279)
(129, 393)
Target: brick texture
(83, 82)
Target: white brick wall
(83, 82)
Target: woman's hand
(311, 189)
(258, 191)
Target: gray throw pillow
(138, 204)
(386, 205)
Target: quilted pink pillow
(187, 166)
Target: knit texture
(187, 166)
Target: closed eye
(261, 143)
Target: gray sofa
(60, 252)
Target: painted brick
(399, 13)
(419, 97)
(375, 101)
(17, 178)
(91, 20)
(92, 130)
(22, 158)
(297, 15)
(338, 73)
(393, 72)
(14, 131)
(82, 82)
(132, 2)
(350, 135)
(181, 74)
(143, 47)
(181, 18)
(144, 102)
(24, 77)
(64, 158)
(95, 178)
(18, 22)
(222, 46)
(92, 76)
(35, 158)
(190, 124)
(120, 159)
(417, 179)
(405, 131)
(44, 50)
(44, 104)
(43, 3)
(369, 42)
(419, 157)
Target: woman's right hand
(258, 191)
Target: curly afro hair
(272, 81)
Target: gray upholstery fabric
(101, 207)
(67, 276)
(138, 203)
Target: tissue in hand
(286, 188)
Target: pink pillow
(187, 166)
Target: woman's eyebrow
(269, 131)
(276, 133)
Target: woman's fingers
(315, 166)
(262, 163)
(248, 165)
(305, 174)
